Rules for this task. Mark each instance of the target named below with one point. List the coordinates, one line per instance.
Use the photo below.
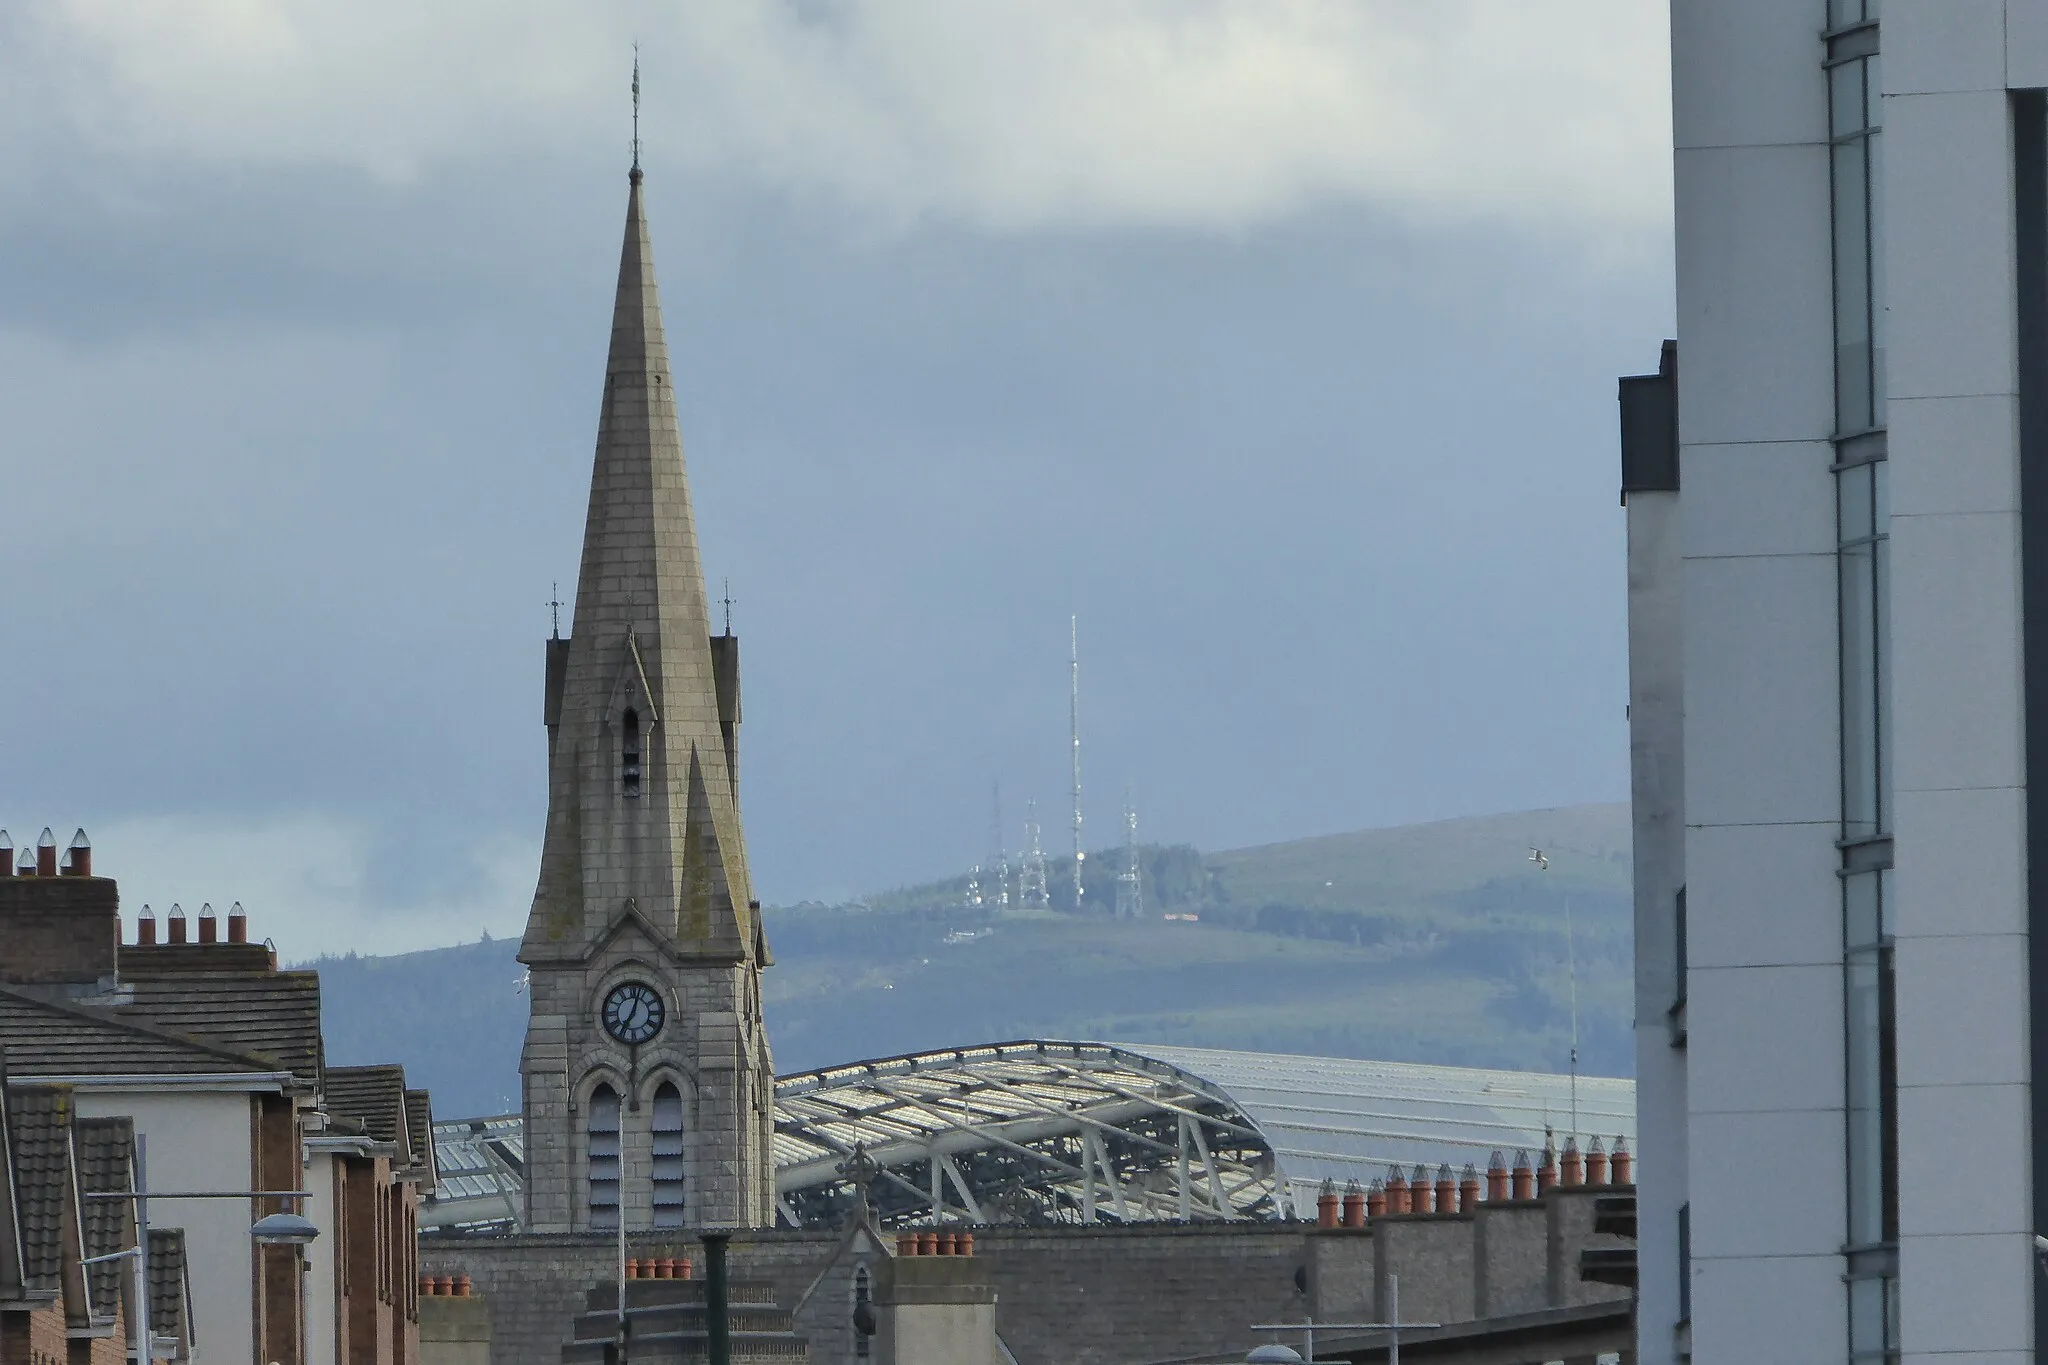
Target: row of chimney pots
(41, 861)
(1418, 1193)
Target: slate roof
(168, 1289)
(419, 1127)
(106, 1164)
(48, 1039)
(274, 1016)
(42, 1178)
(372, 1097)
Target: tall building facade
(1837, 492)
(647, 1075)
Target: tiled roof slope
(274, 1015)
(106, 1165)
(371, 1096)
(168, 1291)
(419, 1127)
(42, 1178)
(47, 1039)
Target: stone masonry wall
(1096, 1295)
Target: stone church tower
(648, 1082)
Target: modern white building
(1837, 500)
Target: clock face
(633, 1013)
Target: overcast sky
(1274, 339)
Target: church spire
(643, 815)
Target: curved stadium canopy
(1034, 1132)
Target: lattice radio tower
(1130, 879)
(1032, 892)
(1074, 721)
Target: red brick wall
(36, 1338)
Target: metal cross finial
(555, 605)
(861, 1169)
(727, 600)
(636, 106)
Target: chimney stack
(209, 926)
(238, 924)
(177, 927)
(145, 928)
(46, 854)
(6, 854)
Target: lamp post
(276, 1229)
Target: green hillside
(1434, 943)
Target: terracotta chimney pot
(1397, 1191)
(1353, 1206)
(1596, 1163)
(906, 1244)
(966, 1246)
(1446, 1190)
(462, 1286)
(1497, 1178)
(177, 923)
(6, 854)
(1623, 1164)
(238, 924)
(927, 1243)
(1573, 1167)
(145, 928)
(1468, 1190)
(444, 1286)
(1376, 1200)
(1524, 1178)
(1546, 1174)
(46, 854)
(79, 861)
(1326, 1206)
(1419, 1191)
(209, 925)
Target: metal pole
(147, 1353)
(622, 1257)
(1394, 1316)
(717, 1329)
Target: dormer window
(629, 754)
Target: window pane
(1859, 693)
(1866, 1119)
(1855, 503)
(1861, 910)
(1852, 288)
(1847, 100)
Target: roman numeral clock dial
(633, 1013)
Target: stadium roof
(1036, 1132)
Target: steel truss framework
(1024, 1132)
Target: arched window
(629, 754)
(604, 1157)
(668, 1156)
(863, 1312)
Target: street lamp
(276, 1229)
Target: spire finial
(727, 601)
(555, 605)
(636, 112)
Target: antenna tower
(1074, 723)
(997, 893)
(1130, 881)
(1032, 893)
